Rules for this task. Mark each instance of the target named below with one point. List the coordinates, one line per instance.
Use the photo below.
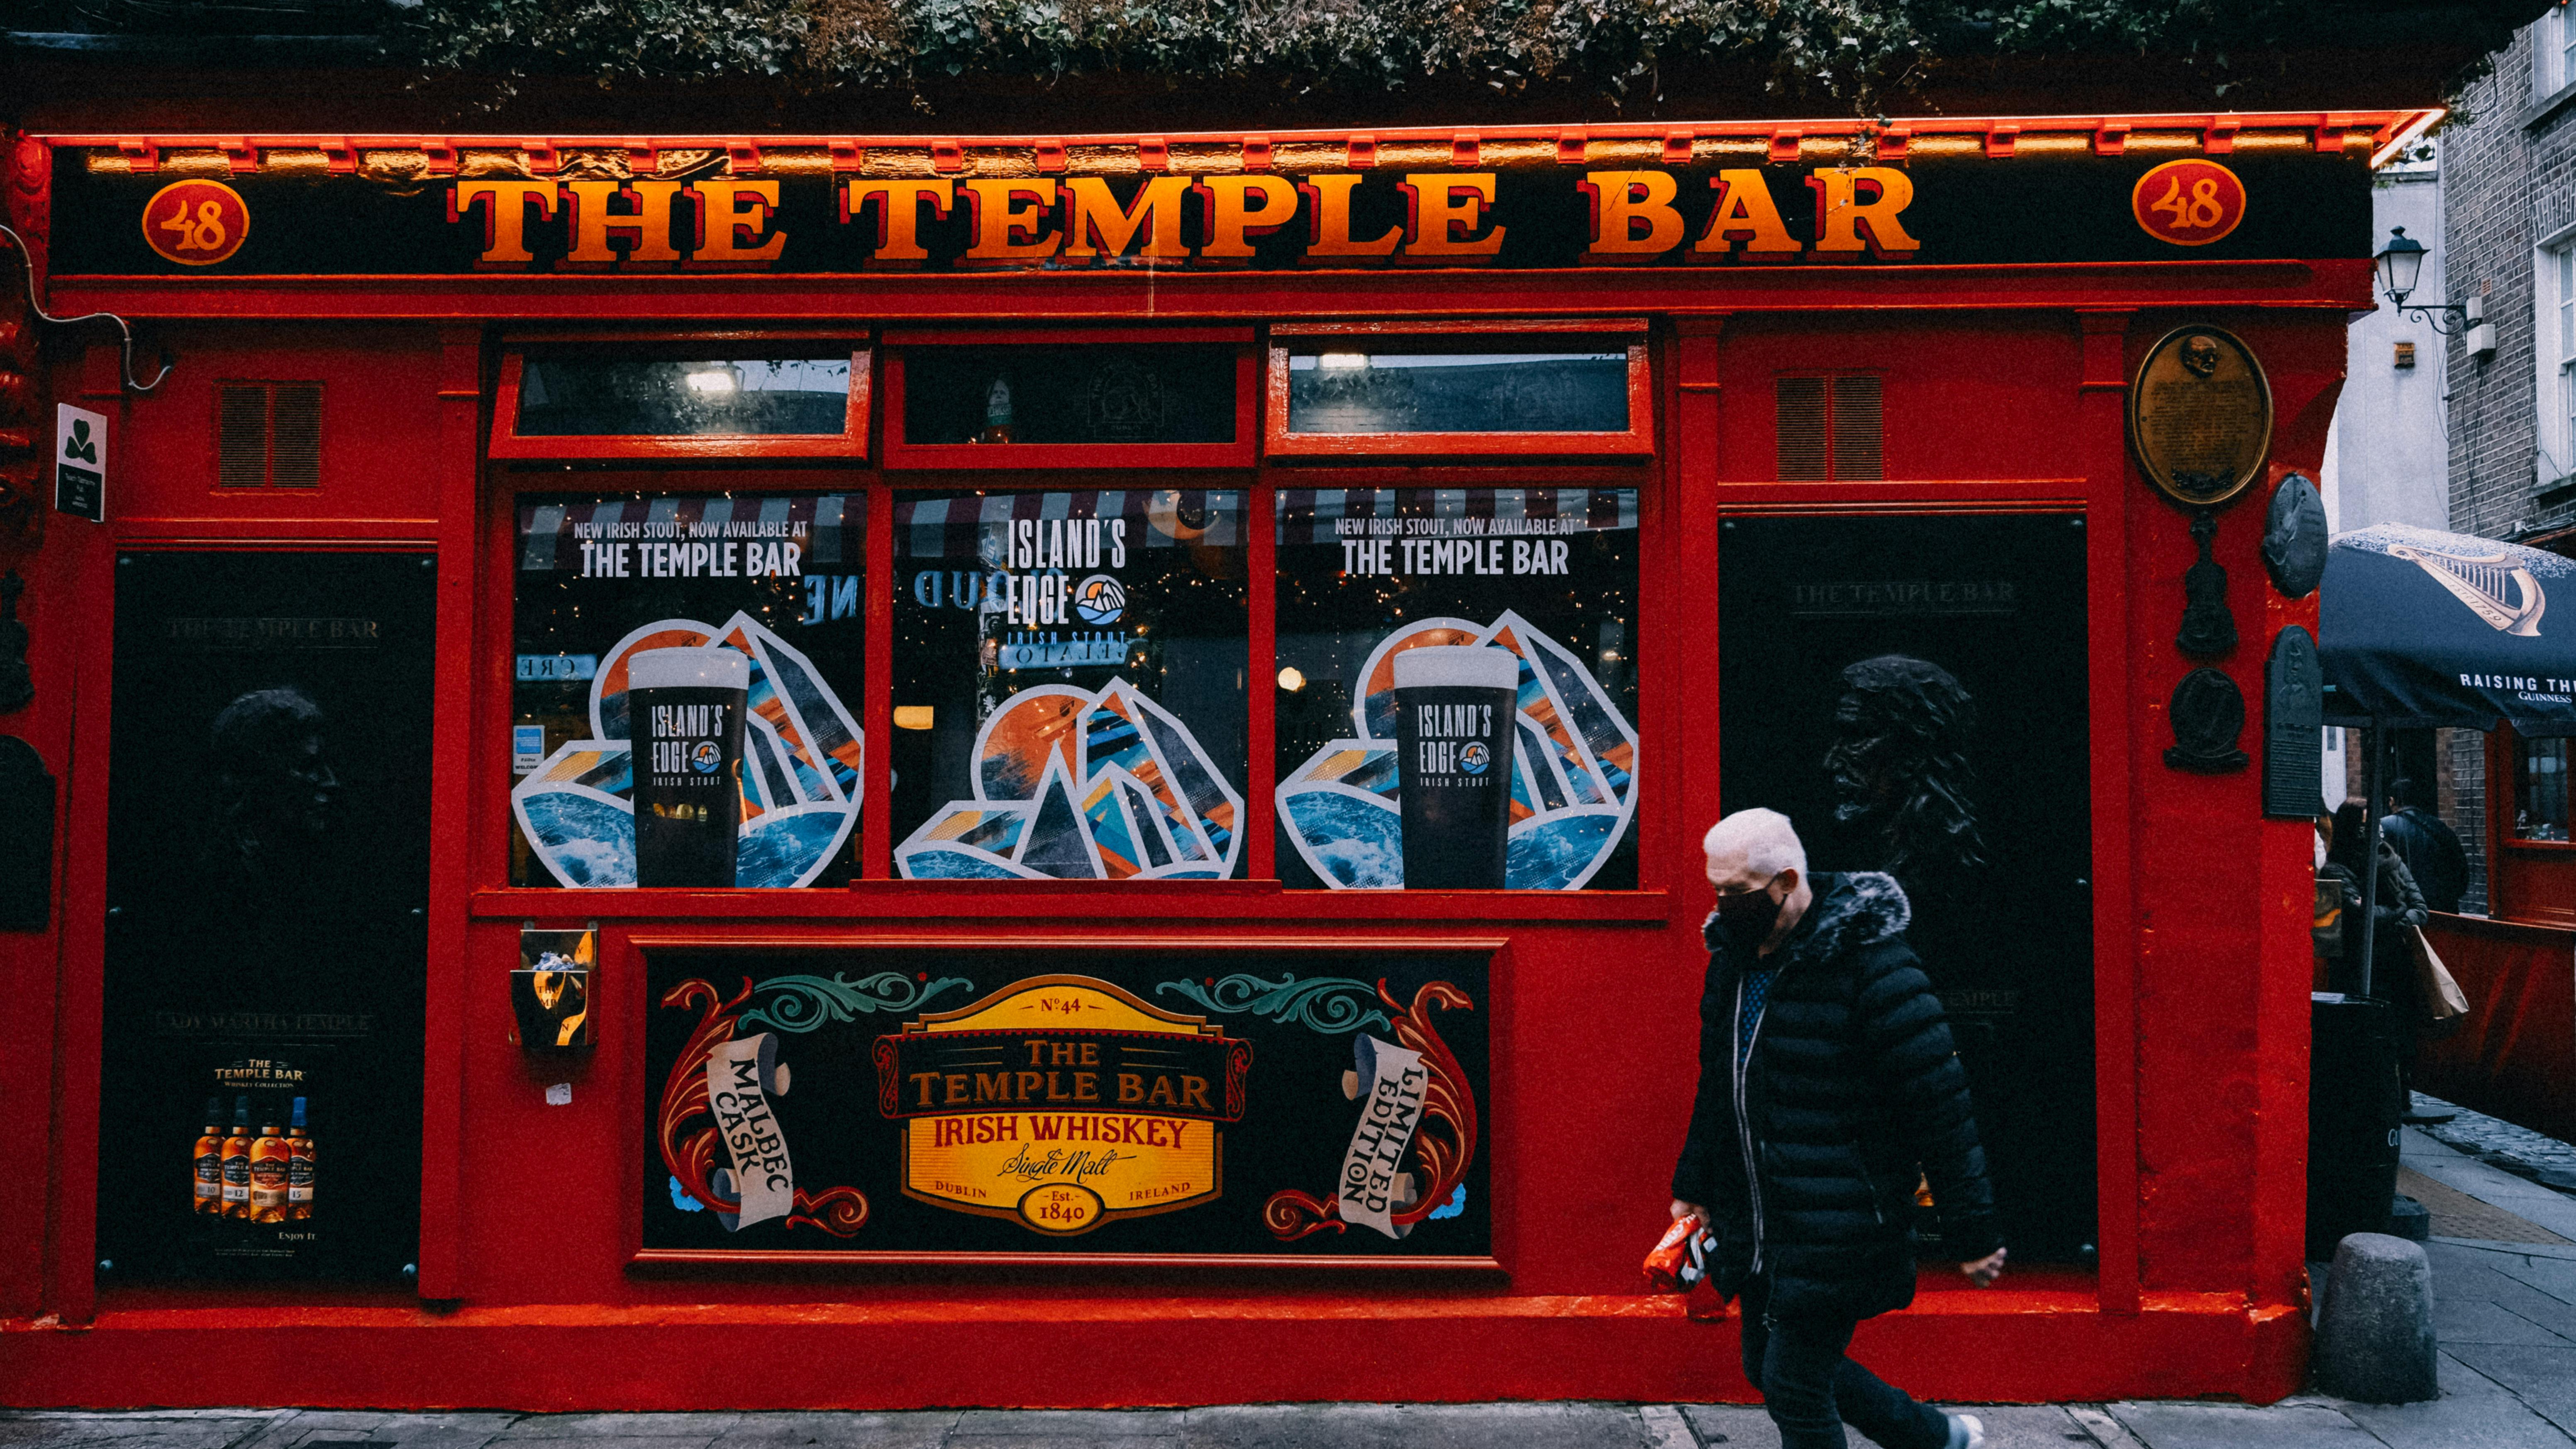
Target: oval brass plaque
(2200, 416)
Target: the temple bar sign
(2286, 204)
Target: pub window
(1070, 684)
(1830, 427)
(691, 399)
(1456, 697)
(686, 689)
(1168, 397)
(268, 435)
(2540, 789)
(1344, 389)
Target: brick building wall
(2509, 183)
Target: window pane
(1099, 394)
(1363, 387)
(2541, 777)
(746, 609)
(1507, 760)
(624, 396)
(1069, 685)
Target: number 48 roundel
(2189, 203)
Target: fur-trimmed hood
(1852, 909)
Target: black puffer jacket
(1851, 1087)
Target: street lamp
(2400, 264)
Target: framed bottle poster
(1164, 1101)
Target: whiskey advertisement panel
(1089, 1101)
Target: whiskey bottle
(210, 1161)
(268, 1167)
(299, 1166)
(237, 1162)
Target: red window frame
(1637, 439)
(1241, 453)
(851, 442)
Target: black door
(268, 851)
(1911, 691)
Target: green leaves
(1845, 49)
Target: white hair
(1769, 842)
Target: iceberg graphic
(1574, 770)
(802, 756)
(1073, 784)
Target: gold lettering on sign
(505, 216)
(646, 220)
(899, 206)
(1444, 209)
(1744, 213)
(731, 217)
(1852, 200)
(1625, 201)
(1096, 225)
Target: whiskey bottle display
(268, 1168)
(210, 1161)
(998, 427)
(237, 1162)
(299, 1166)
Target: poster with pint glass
(686, 690)
(1456, 691)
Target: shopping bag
(2445, 1004)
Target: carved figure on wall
(1900, 770)
(274, 791)
(2208, 629)
(2208, 714)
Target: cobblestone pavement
(2517, 1150)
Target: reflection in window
(624, 396)
(762, 592)
(1384, 767)
(2540, 789)
(1099, 394)
(1069, 685)
(1354, 389)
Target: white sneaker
(1966, 1432)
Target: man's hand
(1683, 1210)
(1982, 1272)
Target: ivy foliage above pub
(1854, 50)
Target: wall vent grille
(268, 435)
(1830, 427)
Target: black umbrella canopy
(2418, 628)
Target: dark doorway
(1911, 691)
(267, 871)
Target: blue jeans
(1811, 1389)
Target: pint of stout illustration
(684, 711)
(1454, 708)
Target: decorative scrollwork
(1329, 1004)
(1443, 1145)
(803, 1003)
(691, 1156)
(1290, 1215)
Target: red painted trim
(876, 827)
(869, 902)
(1238, 454)
(2102, 418)
(1638, 438)
(509, 442)
(451, 817)
(1056, 337)
(950, 152)
(1534, 325)
(2336, 283)
(1261, 681)
(2036, 1343)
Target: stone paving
(2518, 1150)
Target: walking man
(1827, 1083)
(2430, 848)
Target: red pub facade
(793, 768)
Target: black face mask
(1749, 915)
